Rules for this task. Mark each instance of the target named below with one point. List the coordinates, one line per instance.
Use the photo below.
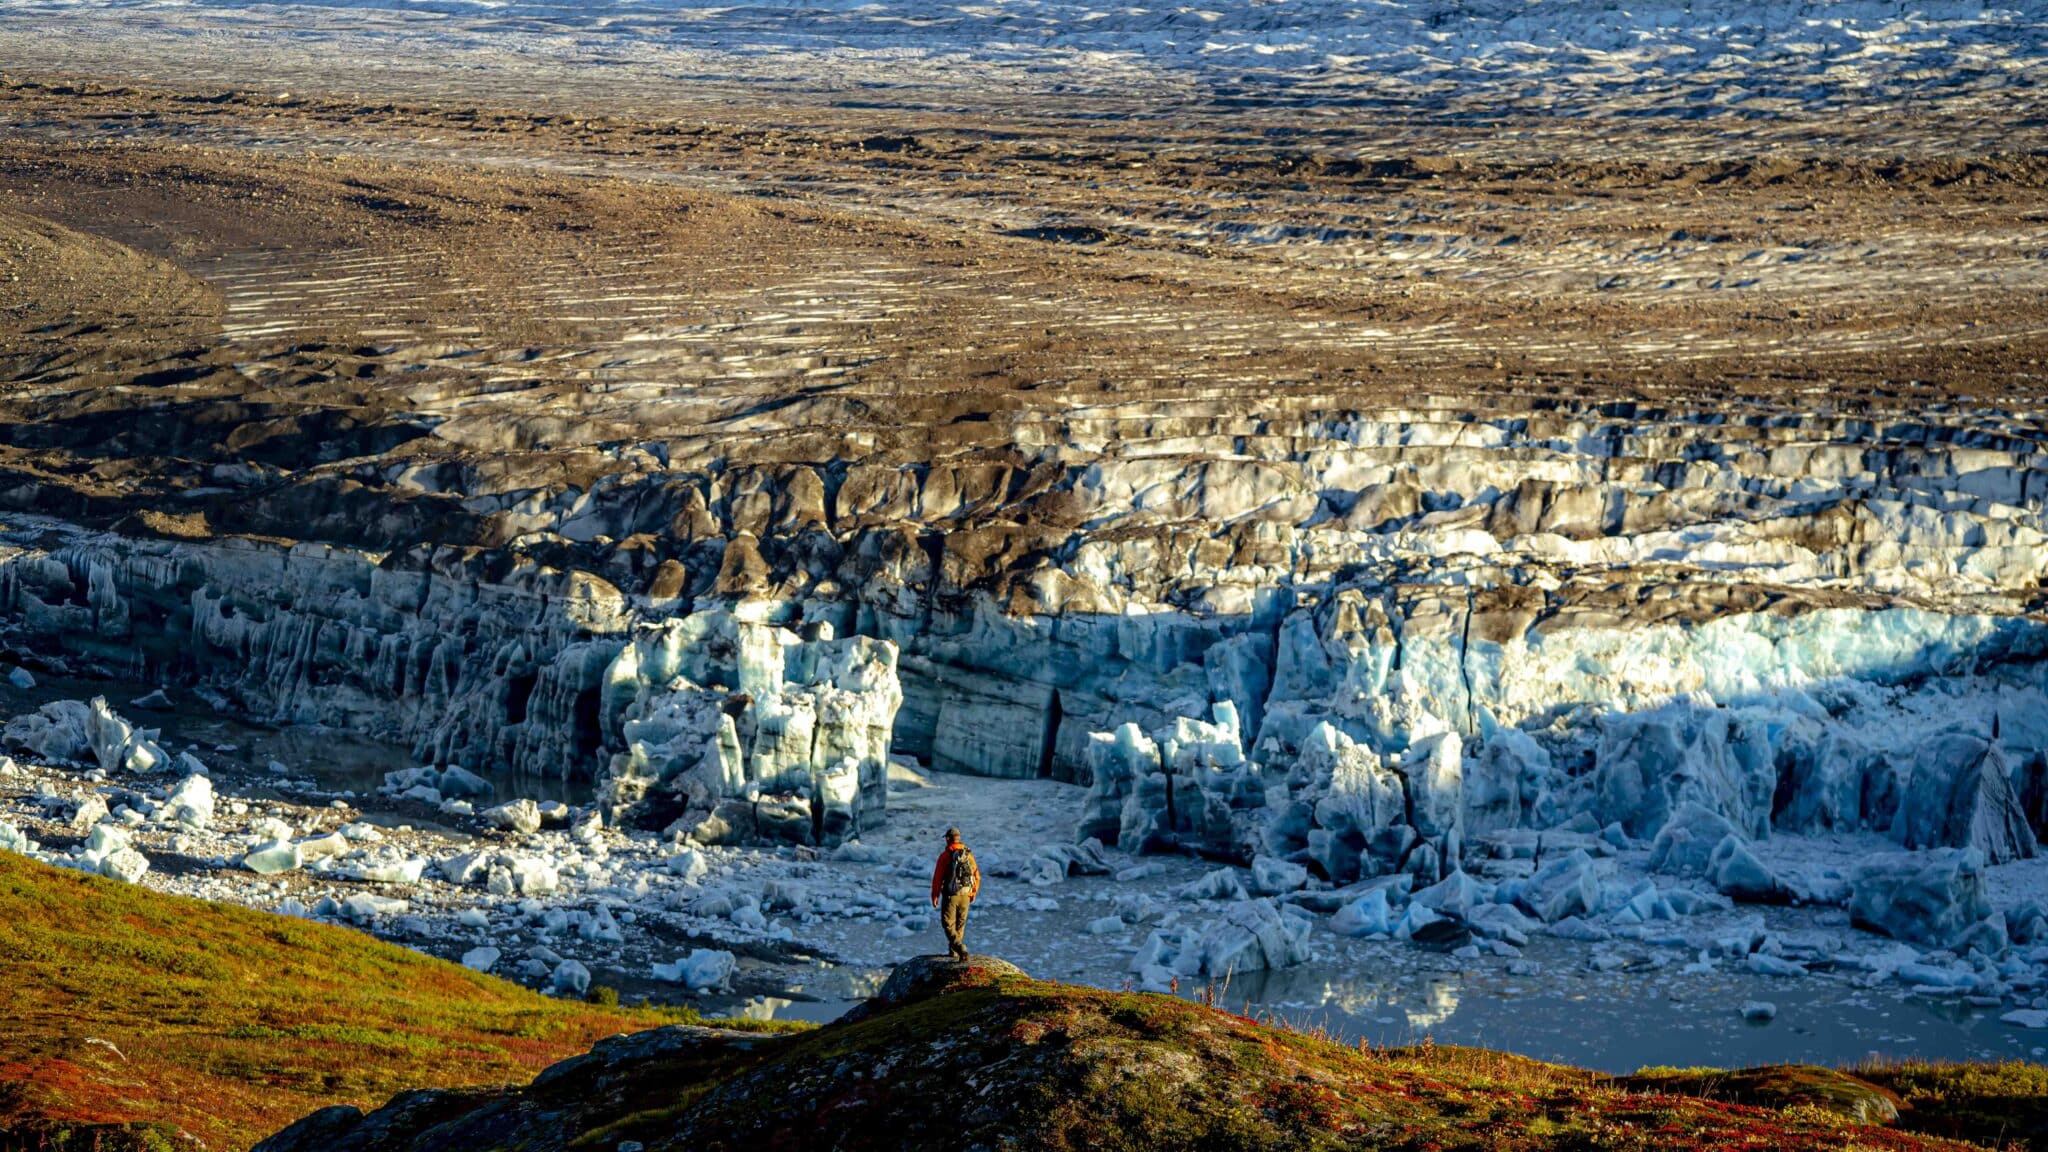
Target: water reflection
(1616, 1022)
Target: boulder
(1368, 915)
(1736, 873)
(1923, 897)
(1271, 877)
(1688, 839)
(1959, 794)
(1455, 895)
(570, 978)
(703, 970)
(1566, 887)
(190, 803)
(520, 816)
(274, 857)
(1251, 935)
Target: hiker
(955, 880)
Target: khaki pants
(953, 918)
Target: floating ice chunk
(1137, 872)
(1688, 839)
(1936, 976)
(1767, 965)
(570, 978)
(1366, 916)
(703, 970)
(459, 783)
(275, 856)
(1252, 934)
(1501, 922)
(1105, 926)
(1155, 951)
(1271, 877)
(21, 678)
(1455, 895)
(473, 918)
(1221, 884)
(1561, 888)
(481, 959)
(1987, 936)
(521, 816)
(1736, 872)
(1759, 1011)
(1686, 902)
(1574, 928)
(2026, 1018)
(1414, 918)
(1925, 897)
(155, 699)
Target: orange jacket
(939, 874)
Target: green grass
(229, 1023)
(1998, 1105)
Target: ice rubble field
(1616, 704)
(1712, 55)
(1658, 872)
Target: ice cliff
(1489, 617)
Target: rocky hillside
(981, 1056)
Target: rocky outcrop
(975, 1055)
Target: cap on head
(952, 835)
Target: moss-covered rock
(977, 1055)
(1776, 1086)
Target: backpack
(963, 876)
